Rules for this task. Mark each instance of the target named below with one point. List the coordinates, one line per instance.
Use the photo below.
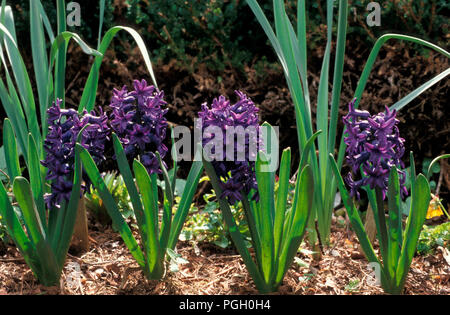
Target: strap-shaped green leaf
(338, 72)
(16, 231)
(110, 204)
(39, 54)
(168, 191)
(435, 160)
(322, 100)
(20, 73)
(412, 170)
(175, 160)
(60, 67)
(14, 111)
(127, 176)
(281, 198)
(37, 187)
(381, 217)
(266, 207)
(24, 196)
(302, 113)
(146, 187)
(48, 272)
(395, 222)
(418, 91)
(419, 205)
(307, 149)
(271, 159)
(250, 212)
(90, 89)
(10, 147)
(167, 206)
(302, 60)
(70, 210)
(46, 21)
(185, 202)
(300, 214)
(100, 24)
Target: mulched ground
(108, 268)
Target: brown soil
(108, 268)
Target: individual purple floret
(374, 143)
(238, 176)
(139, 121)
(64, 125)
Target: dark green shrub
(427, 19)
(219, 33)
(88, 29)
(224, 33)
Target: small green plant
(435, 169)
(116, 186)
(352, 286)
(432, 237)
(207, 224)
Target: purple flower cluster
(238, 176)
(139, 121)
(64, 125)
(374, 143)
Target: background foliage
(224, 33)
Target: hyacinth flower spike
(374, 152)
(49, 217)
(139, 125)
(276, 227)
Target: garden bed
(46, 170)
(109, 268)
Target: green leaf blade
(395, 222)
(185, 203)
(421, 197)
(10, 147)
(266, 208)
(300, 213)
(37, 187)
(146, 187)
(281, 199)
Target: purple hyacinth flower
(64, 125)
(237, 177)
(373, 143)
(138, 119)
